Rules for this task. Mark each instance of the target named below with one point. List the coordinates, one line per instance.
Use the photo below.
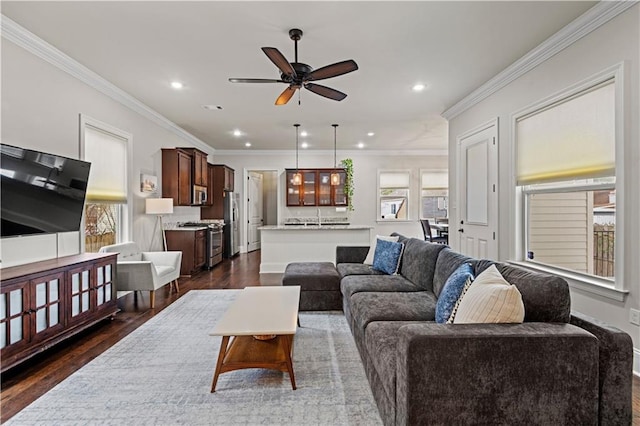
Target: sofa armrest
(135, 275)
(531, 373)
(616, 369)
(351, 254)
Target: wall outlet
(634, 316)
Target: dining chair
(428, 235)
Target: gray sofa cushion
(546, 297)
(390, 306)
(359, 283)
(447, 262)
(419, 262)
(346, 269)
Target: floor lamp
(159, 207)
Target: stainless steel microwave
(199, 194)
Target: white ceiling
(452, 47)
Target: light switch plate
(634, 316)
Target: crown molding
(347, 153)
(25, 39)
(592, 19)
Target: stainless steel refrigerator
(231, 224)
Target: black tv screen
(40, 192)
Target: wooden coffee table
(258, 311)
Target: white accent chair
(144, 271)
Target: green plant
(347, 164)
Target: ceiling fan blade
(333, 70)
(325, 91)
(286, 95)
(254, 80)
(280, 61)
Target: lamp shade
(159, 206)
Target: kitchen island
(283, 244)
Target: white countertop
(186, 228)
(312, 227)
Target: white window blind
(394, 179)
(435, 180)
(571, 139)
(108, 156)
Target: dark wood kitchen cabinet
(193, 245)
(221, 181)
(316, 189)
(46, 302)
(176, 176)
(199, 166)
(182, 169)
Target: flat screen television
(40, 193)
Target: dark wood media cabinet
(45, 302)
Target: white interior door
(478, 194)
(254, 210)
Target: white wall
(40, 110)
(612, 43)
(365, 172)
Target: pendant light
(335, 176)
(297, 176)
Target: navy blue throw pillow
(451, 292)
(387, 256)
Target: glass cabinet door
(339, 194)
(293, 191)
(14, 317)
(308, 188)
(46, 303)
(324, 188)
(80, 291)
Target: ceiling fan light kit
(297, 74)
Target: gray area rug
(161, 374)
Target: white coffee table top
(261, 311)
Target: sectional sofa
(556, 368)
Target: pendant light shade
(297, 176)
(335, 176)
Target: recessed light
(304, 145)
(211, 107)
(247, 144)
(303, 133)
(370, 134)
(177, 85)
(418, 87)
(360, 145)
(237, 133)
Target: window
(565, 170)
(434, 194)
(105, 210)
(393, 195)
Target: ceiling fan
(297, 75)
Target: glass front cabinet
(316, 188)
(43, 302)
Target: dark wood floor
(25, 383)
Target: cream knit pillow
(490, 299)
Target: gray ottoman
(319, 285)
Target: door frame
(493, 201)
(244, 229)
